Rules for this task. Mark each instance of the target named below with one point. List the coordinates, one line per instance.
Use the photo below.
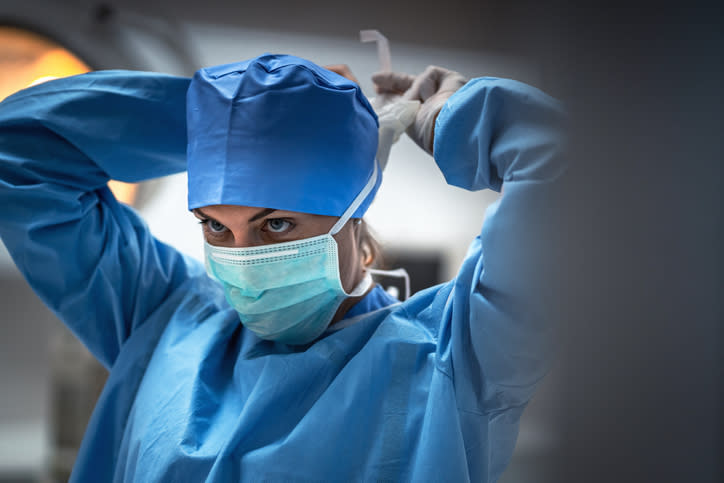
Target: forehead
(229, 211)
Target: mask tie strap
(355, 203)
(397, 273)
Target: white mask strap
(355, 203)
(362, 286)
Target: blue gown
(431, 389)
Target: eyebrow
(260, 214)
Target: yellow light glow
(27, 58)
(124, 192)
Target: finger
(452, 81)
(424, 86)
(391, 82)
(430, 81)
(343, 70)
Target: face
(247, 226)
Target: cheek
(349, 263)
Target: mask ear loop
(361, 196)
(356, 202)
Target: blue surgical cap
(279, 132)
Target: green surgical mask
(286, 292)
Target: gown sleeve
(502, 134)
(91, 259)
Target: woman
(326, 378)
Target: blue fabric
(294, 135)
(376, 298)
(430, 389)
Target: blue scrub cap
(279, 132)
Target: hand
(432, 88)
(343, 70)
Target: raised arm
(495, 133)
(91, 259)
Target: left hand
(432, 88)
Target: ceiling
(508, 26)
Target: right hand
(432, 88)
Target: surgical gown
(430, 389)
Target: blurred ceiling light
(27, 58)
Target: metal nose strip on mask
(224, 257)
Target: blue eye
(215, 226)
(277, 225)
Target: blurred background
(636, 392)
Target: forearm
(490, 134)
(79, 132)
(86, 255)
(494, 131)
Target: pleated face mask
(287, 292)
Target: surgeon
(279, 359)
